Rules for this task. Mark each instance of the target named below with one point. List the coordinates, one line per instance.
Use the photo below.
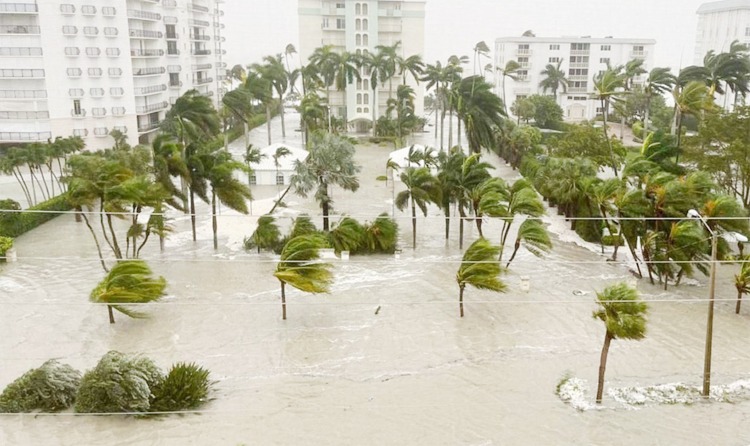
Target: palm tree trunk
(436, 109)
(645, 118)
(111, 314)
(23, 187)
(462, 217)
(96, 242)
(192, 212)
(442, 127)
(115, 245)
(247, 134)
(413, 225)
(213, 219)
(374, 112)
(739, 302)
(605, 113)
(447, 211)
(515, 251)
(281, 112)
(283, 301)
(461, 299)
(268, 122)
(44, 181)
(325, 206)
(458, 133)
(450, 127)
(603, 367)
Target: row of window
(90, 31)
(99, 131)
(97, 112)
(91, 51)
(361, 9)
(18, 51)
(577, 60)
(585, 47)
(96, 92)
(362, 40)
(94, 72)
(24, 115)
(107, 11)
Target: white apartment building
(719, 24)
(582, 58)
(358, 26)
(87, 67)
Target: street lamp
(692, 213)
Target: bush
(49, 388)
(118, 383)
(15, 224)
(381, 236)
(5, 244)
(185, 387)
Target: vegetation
(52, 387)
(299, 267)
(128, 282)
(14, 224)
(6, 243)
(185, 387)
(479, 269)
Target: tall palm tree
(299, 267)
(377, 65)
(472, 173)
(434, 75)
(554, 79)
(324, 61)
(260, 84)
(607, 86)
(535, 238)
(279, 79)
(266, 236)
(480, 50)
(330, 162)
(510, 70)
(481, 110)
(346, 69)
(288, 51)
(480, 270)
(280, 152)
(412, 65)
(689, 99)
(391, 56)
(659, 81)
(129, 282)
(421, 189)
(624, 317)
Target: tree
(659, 81)
(583, 140)
(547, 114)
(277, 75)
(510, 70)
(480, 50)
(742, 281)
(607, 86)
(524, 110)
(535, 238)
(689, 100)
(266, 236)
(479, 269)
(480, 110)
(299, 267)
(554, 79)
(128, 282)
(421, 189)
(346, 69)
(330, 162)
(376, 64)
(624, 317)
(412, 65)
(381, 235)
(260, 85)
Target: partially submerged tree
(479, 269)
(299, 267)
(128, 282)
(624, 317)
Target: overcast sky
(255, 28)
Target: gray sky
(255, 28)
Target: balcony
(23, 94)
(202, 81)
(524, 52)
(79, 114)
(145, 91)
(177, 84)
(146, 34)
(203, 66)
(202, 37)
(199, 8)
(172, 36)
(579, 65)
(24, 115)
(101, 132)
(169, 3)
(20, 29)
(146, 53)
(577, 89)
(203, 23)
(143, 15)
(579, 78)
(146, 109)
(28, 73)
(199, 52)
(19, 8)
(149, 71)
(173, 52)
(24, 136)
(148, 127)
(638, 54)
(580, 52)
(20, 51)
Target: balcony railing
(205, 80)
(78, 113)
(577, 89)
(143, 128)
(579, 65)
(146, 34)
(24, 115)
(580, 52)
(20, 29)
(145, 109)
(199, 8)
(172, 36)
(20, 51)
(173, 52)
(177, 84)
(146, 53)
(19, 7)
(25, 136)
(203, 66)
(638, 54)
(201, 52)
(169, 3)
(149, 71)
(23, 94)
(194, 22)
(22, 73)
(144, 91)
(200, 37)
(143, 15)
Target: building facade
(359, 26)
(85, 67)
(720, 24)
(581, 59)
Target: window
(115, 72)
(581, 60)
(358, 25)
(171, 32)
(365, 40)
(91, 31)
(80, 132)
(340, 6)
(75, 92)
(118, 111)
(253, 180)
(72, 51)
(109, 11)
(93, 51)
(113, 52)
(172, 48)
(101, 131)
(365, 25)
(606, 48)
(359, 39)
(604, 60)
(324, 25)
(367, 98)
(279, 179)
(70, 30)
(174, 79)
(95, 72)
(77, 108)
(88, 10)
(66, 8)
(359, 98)
(554, 47)
(340, 23)
(638, 50)
(116, 92)
(99, 111)
(554, 59)
(359, 109)
(359, 84)
(524, 49)
(579, 46)
(578, 72)
(358, 9)
(96, 92)
(110, 31)
(74, 72)
(364, 9)
(523, 60)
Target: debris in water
(579, 292)
(377, 310)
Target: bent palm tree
(479, 269)
(624, 317)
(128, 282)
(421, 188)
(266, 236)
(299, 267)
(535, 238)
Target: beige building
(87, 67)
(358, 26)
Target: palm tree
(330, 162)
(624, 317)
(659, 81)
(689, 99)
(129, 282)
(742, 281)
(346, 69)
(280, 152)
(535, 238)
(381, 235)
(288, 51)
(480, 50)
(390, 65)
(260, 84)
(510, 70)
(479, 269)
(472, 173)
(323, 59)
(266, 236)
(481, 110)
(312, 114)
(277, 75)
(376, 63)
(347, 235)
(412, 65)
(607, 85)
(554, 79)
(434, 76)
(421, 189)
(299, 267)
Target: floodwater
(339, 371)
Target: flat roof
(575, 39)
(724, 5)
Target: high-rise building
(87, 67)
(358, 27)
(581, 58)
(720, 24)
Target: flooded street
(339, 371)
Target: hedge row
(13, 224)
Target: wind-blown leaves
(479, 269)
(129, 282)
(299, 265)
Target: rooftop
(724, 5)
(576, 39)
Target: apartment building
(719, 24)
(87, 67)
(359, 26)
(581, 59)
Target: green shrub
(5, 244)
(15, 224)
(381, 235)
(347, 235)
(49, 388)
(118, 383)
(612, 240)
(186, 387)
